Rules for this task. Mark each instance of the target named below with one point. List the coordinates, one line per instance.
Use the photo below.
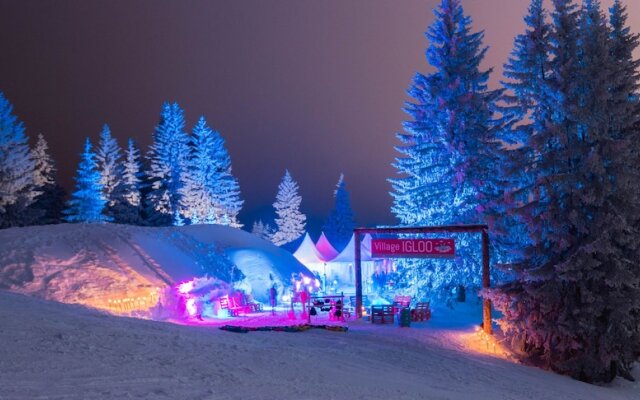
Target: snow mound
(124, 268)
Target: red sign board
(409, 248)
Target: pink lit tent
(326, 250)
(309, 256)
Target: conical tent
(326, 250)
(348, 254)
(307, 252)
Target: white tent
(348, 254)
(342, 267)
(307, 253)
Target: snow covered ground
(56, 351)
(120, 267)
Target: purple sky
(315, 87)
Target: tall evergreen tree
(447, 146)
(16, 167)
(168, 159)
(576, 297)
(339, 225)
(108, 156)
(291, 222)
(49, 204)
(87, 203)
(127, 194)
(211, 193)
(625, 74)
(526, 116)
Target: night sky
(313, 86)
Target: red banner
(409, 248)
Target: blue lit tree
(526, 111)
(168, 159)
(339, 225)
(87, 203)
(447, 148)
(576, 298)
(16, 168)
(108, 156)
(211, 193)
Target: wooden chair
(382, 314)
(422, 312)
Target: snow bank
(59, 351)
(123, 268)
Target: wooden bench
(422, 312)
(382, 314)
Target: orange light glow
(481, 343)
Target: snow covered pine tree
(211, 194)
(290, 222)
(87, 203)
(447, 151)
(49, 204)
(168, 162)
(108, 156)
(16, 168)
(128, 197)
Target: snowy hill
(123, 268)
(58, 351)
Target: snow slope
(57, 351)
(123, 268)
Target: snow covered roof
(348, 254)
(307, 252)
(326, 250)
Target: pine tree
(108, 156)
(625, 107)
(87, 203)
(526, 116)
(339, 225)
(168, 159)
(211, 194)
(624, 110)
(290, 222)
(128, 197)
(49, 204)
(227, 192)
(262, 230)
(447, 152)
(16, 168)
(576, 297)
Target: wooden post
(358, 268)
(486, 283)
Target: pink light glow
(185, 287)
(191, 307)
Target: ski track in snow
(55, 351)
